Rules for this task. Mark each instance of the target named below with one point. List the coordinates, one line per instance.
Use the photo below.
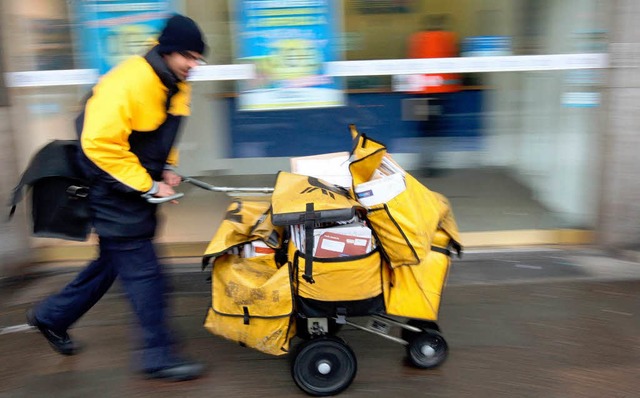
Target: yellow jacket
(127, 134)
(129, 98)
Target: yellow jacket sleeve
(105, 137)
(119, 105)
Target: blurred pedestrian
(434, 40)
(127, 133)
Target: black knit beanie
(181, 34)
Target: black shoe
(179, 372)
(60, 342)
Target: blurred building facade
(14, 245)
(567, 136)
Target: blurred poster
(288, 41)
(110, 31)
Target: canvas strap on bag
(309, 222)
(308, 201)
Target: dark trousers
(144, 283)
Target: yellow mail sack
(406, 224)
(416, 291)
(252, 303)
(294, 193)
(246, 220)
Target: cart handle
(214, 188)
(208, 187)
(157, 201)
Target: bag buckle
(78, 191)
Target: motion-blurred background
(522, 112)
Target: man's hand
(165, 190)
(171, 178)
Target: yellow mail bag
(252, 303)
(406, 224)
(246, 220)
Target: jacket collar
(167, 77)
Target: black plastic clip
(78, 191)
(246, 315)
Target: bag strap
(16, 197)
(442, 250)
(445, 250)
(310, 217)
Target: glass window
(533, 129)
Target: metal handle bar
(155, 200)
(209, 187)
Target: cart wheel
(427, 349)
(323, 366)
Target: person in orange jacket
(436, 42)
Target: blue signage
(289, 43)
(110, 31)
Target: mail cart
(310, 258)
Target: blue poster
(110, 31)
(289, 42)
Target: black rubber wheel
(408, 335)
(323, 366)
(427, 349)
